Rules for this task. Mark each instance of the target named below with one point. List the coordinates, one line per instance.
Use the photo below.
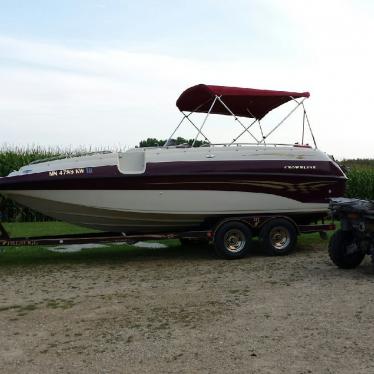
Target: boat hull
(156, 211)
(161, 189)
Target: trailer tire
(278, 237)
(339, 244)
(232, 240)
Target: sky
(107, 73)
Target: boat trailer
(231, 236)
(95, 237)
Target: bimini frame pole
(200, 132)
(259, 124)
(237, 119)
(262, 133)
(310, 127)
(243, 132)
(282, 121)
(302, 136)
(206, 117)
(247, 128)
(184, 116)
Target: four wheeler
(355, 239)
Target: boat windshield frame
(245, 129)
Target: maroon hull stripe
(302, 181)
(282, 167)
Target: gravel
(183, 311)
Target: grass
(26, 255)
(43, 228)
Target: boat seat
(131, 162)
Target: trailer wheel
(278, 237)
(344, 251)
(232, 240)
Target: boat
(179, 187)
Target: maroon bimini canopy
(244, 102)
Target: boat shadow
(114, 254)
(171, 252)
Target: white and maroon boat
(185, 187)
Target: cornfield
(360, 175)
(360, 178)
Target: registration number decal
(78, 171)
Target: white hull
(151, 210)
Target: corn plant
(361, 183)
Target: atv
(355, 239)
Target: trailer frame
(254, 223)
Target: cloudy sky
(108, 72)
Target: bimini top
(244, 102)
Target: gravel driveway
(183, 311)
